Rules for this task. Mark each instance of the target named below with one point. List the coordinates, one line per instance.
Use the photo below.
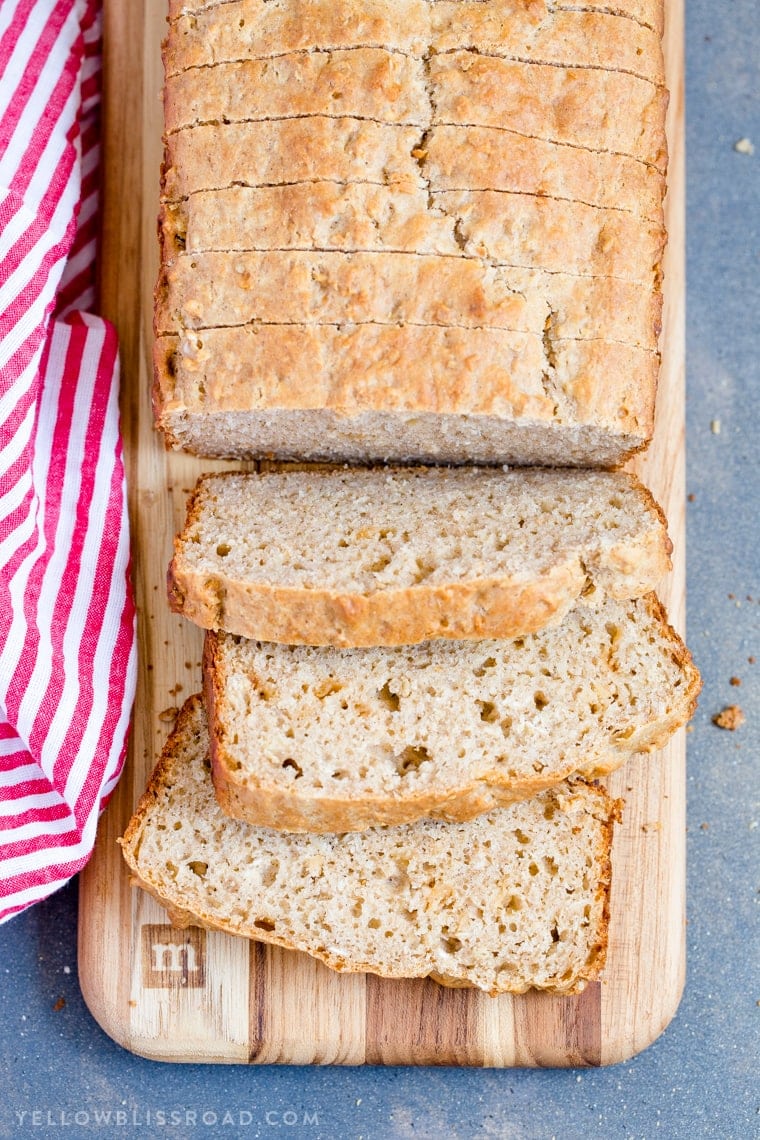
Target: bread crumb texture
(384, 556)
(514, 899)
(445, 729)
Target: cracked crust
(580, 815)
(210, 290)
(578, 36)
(252, 788)
(443, 159)
(518, 230)
(490, 603)
(369, 83)
(406, 370)
(472, 350)
(483, 158)
(608, 111)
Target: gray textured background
(700, 1078)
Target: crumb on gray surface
(731, 718)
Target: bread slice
(375, 392)
(269, 153)
(595, 241)
(202, 34)
(316, 148)
(370, 83)
(515, 899)
(394, 557)
(208, 290)
(487, 158)
(517, 230)
(584, 107)
(306, 739)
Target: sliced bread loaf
(352, 557)
(306, 739)
(515, 899)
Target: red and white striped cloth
(67, 640)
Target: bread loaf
(517, 898)
(461, 153)
(392, 557)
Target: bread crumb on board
(731, 718)
(744, 146)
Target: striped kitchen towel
(67, 641)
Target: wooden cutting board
(203, 996)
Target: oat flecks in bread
(539, 32)
(393, 557)
(332, 740)
(207, 290)
(513, 900)
(516, 230)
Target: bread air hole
(411, 759)
(264, 924)
(198, 868)
(387, 697)
(223, 549)
(290, 763)
(540, 700)
(488, 712)
(451, 945)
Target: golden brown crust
(450, 158)
(602, 110)
(373, 367)
(203, 290)
(483, 158)
(291, 150)
(553, 33)
(585, 107)
(370, 83)
(516, 230)
(610, 242)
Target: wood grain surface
(205, 996)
